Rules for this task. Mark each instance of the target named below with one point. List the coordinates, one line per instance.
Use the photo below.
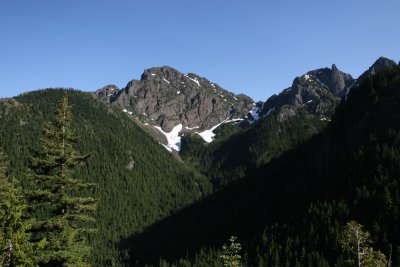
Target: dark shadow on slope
(242, 209)
(280, 191)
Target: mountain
(290, 211)
(171, 104)
(138, 181)
(284, 181)
(282, 123)
(176, 103)
(279, 124)
(379, 65)
(319, 91)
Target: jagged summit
(166, 97)
(107, 93)
(174, 102)
(165, 72)
(380, 64)
(318, 91)
(335, 80)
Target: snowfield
(173, 138)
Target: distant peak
(334, 68)
(107, 92)
(383, 62)
(157, 72)
(380, 64)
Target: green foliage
(230, 254)
(356, 244)
(290, 211)
(240, 151)
(299, 188)
(129, 199)
(58, 194)
(15, 246)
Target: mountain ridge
(292, 209)
(167, 97)
(172, 104)
(303, 176)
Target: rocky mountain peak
(318, 91)
(164, 72)
(333, 79)
(383, 62)
(380, 64)
(107, 93)
(173, 102)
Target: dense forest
(244, 147)
(292, 191)
(292, 210)
(138, 181)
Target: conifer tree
(230, 254)
(63, 212)
(356, 242)
(15, 246)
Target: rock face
(107, 93)
(166, 97)
(318, 91)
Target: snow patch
(195, 127)
(208, 135)
(153, 74)
(126, 111)
(173, 138)
(178, 92)
(165, 80)
(235, 98)
(193, 79)
(233, 120)
(255, 113)
(144, 114)
(213, 85)
(166, 147)
(309, 101)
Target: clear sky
(256, 47)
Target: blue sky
(252, 47)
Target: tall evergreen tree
(15, 246)
(356, 242)
(62, 210)
(230, 254)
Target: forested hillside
(292, 210)
(138, 181)
(286, 186)
(231, 158)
